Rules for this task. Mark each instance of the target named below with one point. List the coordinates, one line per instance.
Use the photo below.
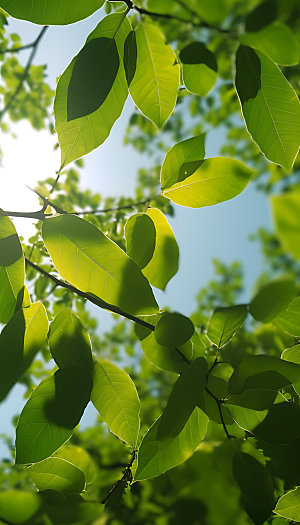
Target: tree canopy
(198, 416)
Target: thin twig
(219, 405)
(25, 73)
(126, 478)
(97, 301)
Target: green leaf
(57, 474)
(289, 320)
(157, 456)
(182, 160)
(86, 258)
(281, 425)
(216, 180)
(130, 56)
(258, 399)
(12, 268)
(261, 16)
(155, 84)
(272, 299)
(24, 336)
(262, 371)
(256, 486)
(79, 137)
(287, 222)
(81, 459)
(164, 263)
(94, 72)
(140, 237)
(69, 342)
(276, 41)
(72, 509)
(115, 397)
(52, 412)
(225, 322)
(199, 68)
(293, 355)
(247, 418)
(51, 12)
(173, 329)
(18, 506)
(270, 106)
(288, 505)
(186, 395)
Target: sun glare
(26, 159)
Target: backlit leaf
(287, 221)
(288, 505)
(12, 268)
(156, 81)
(52, 412)
(164, 263)
(216, 180)
(157, 456)
(51, 11)
(182, 160)
(115, 397)
(272, 299)
(79, 137)
(86, 258)
(225, 322)
(69, 342)
(94, 72)
(57, 474)
(18, 506)
(140, 237)
(199, 68)
(270, 106)
(289, 319)
(20, 340)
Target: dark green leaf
(130, 56)
(173, 329)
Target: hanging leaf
(272, 299)
(164, 263)
(79, 137)
(276, 41)
(256, 486)
(140, 237)
(157, 456)
(225, 322)
(270, 106)
(287, 223)
(115, 397)
(199, 68)
(93, 75)
(51, 12)
(216, 180)
(12, 268)
(130, 56)
(173, 329)
(155, 84)
(86, 258)
(69, 342)
(52, 412)
(187, 393)
(57, 474)
(182, 160)
(288, 506)
(263, 371)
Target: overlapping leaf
(155, 84)
(216, 180)
(288, 505)
(57, 474)
(140, 237)
(270, 106)
(199, 68)
(272, 299)
(173, 329)
(80, 136)
(225, 322)
(86, 258)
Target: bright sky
(215, 232)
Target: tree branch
(219, 404)
(91, 298)
(125, 479)
(25, 72)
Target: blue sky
(214, 232)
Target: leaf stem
(219, 404)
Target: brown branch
(25, 72)
(91, 298)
